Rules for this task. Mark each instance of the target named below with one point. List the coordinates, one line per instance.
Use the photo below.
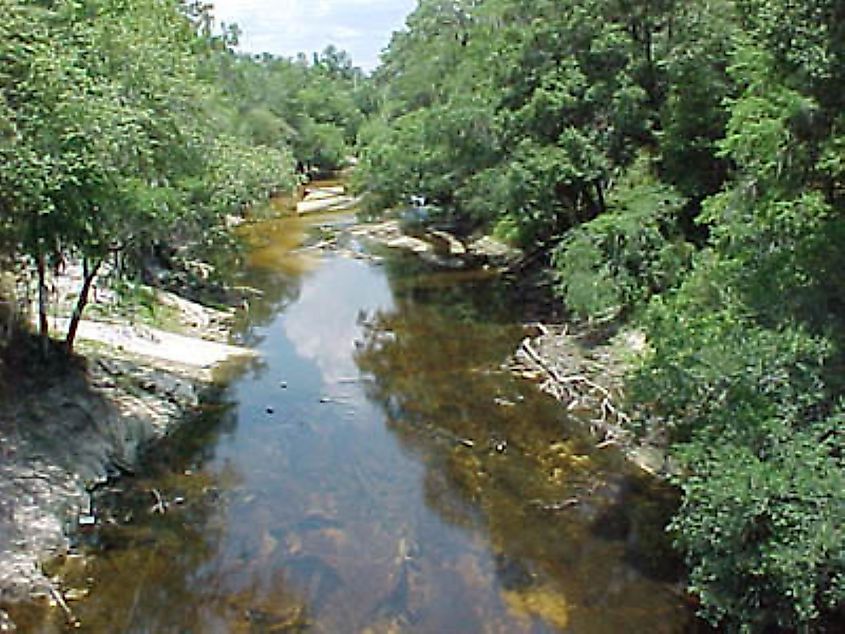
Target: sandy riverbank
(72, 425)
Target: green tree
(535, 120)
(109, 146)
(745, 351)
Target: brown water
(378, 471)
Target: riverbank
(582, 368)
(71, 425)
(154, 394)
(378, 469)
(585, 372)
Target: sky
(286, 27)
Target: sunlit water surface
(377, 470)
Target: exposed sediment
(588, 379)
(322, 199)
(70, 426)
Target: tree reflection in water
(431, 491)
(576, 537)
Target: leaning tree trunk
(43, 326)
(89, 275)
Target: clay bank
(376, 466)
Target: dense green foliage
(683, 165)
(125, 125)
(314, 108)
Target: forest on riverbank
(130, 131)
(681, 167)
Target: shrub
(762, 532)
(624, 256)
(756, 433)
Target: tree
(109, 142)
(685, 164)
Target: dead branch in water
(160, 506)
(57, 596)
(577, 390)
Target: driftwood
(609, 422)
(160, 507)
(577, 390)
(556, 506)
(57, 596)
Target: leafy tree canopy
(682, 164)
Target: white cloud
(286, 27)
(337, 293)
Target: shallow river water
(377, 470)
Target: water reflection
(379, 472)
(274, 268)
(330, 340)
(575, 539)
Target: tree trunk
(43, 326)
(89, 275)
(600, 195)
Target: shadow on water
(576, 538)
(379, 471)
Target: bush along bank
(681, 166)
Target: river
(377, 469)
